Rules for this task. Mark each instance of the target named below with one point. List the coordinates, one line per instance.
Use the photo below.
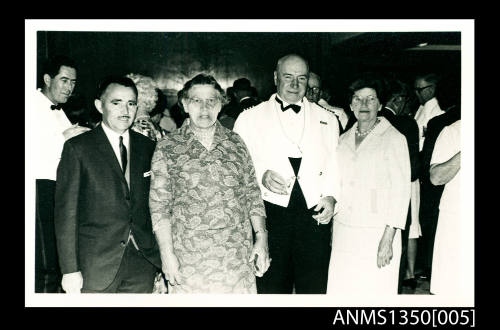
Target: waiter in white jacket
(292, 143)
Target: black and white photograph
(249, 163)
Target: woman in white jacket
(375, 191)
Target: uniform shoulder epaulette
(326, 109)
(251, 107)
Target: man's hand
(170, 267)
(72, 282)
(74, 131)
(328, 205)
(260, 252)
(274, 182)
(144, 124)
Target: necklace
(365, 133)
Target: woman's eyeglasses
(209, 103)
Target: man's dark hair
(448, 91)
(123, 81)
(242, 84)
(395, 87)
(431, 78)
(53, 65)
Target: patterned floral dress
(208, 197)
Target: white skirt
(353, 262)
(446, 272)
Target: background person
(146, 102)
(397, 99)
(50, 129)
(445, 170)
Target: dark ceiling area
(377, 42)
(172, 58)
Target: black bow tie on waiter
(294, 107)
(56, 107)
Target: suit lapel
(108, 154)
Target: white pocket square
(146, 174)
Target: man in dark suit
(397, 98)
(102, 220)
(244, 92)
(448, 95)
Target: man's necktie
(294, 107)
(56, 107)
(123, 154)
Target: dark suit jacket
(248, 103)
(409, 128)
(95, 209)
(431, 194)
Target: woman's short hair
(147, 95)
(372, 81)
(202, 79)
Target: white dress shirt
(47, 139)
(292, 125)
(114, 139)
(425, 113)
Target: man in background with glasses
(425, 89)
(314, 94)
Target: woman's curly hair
(146, 88)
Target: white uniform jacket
(261, 130)
(375, 178)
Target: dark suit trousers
(47, 272)
(403, 264)
(299, 247)
(430, 197)
(135, 274)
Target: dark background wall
(172, 58)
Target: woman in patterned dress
(205, 200)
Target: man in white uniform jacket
(293, 143)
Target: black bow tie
(294, 107)
(56, 107)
